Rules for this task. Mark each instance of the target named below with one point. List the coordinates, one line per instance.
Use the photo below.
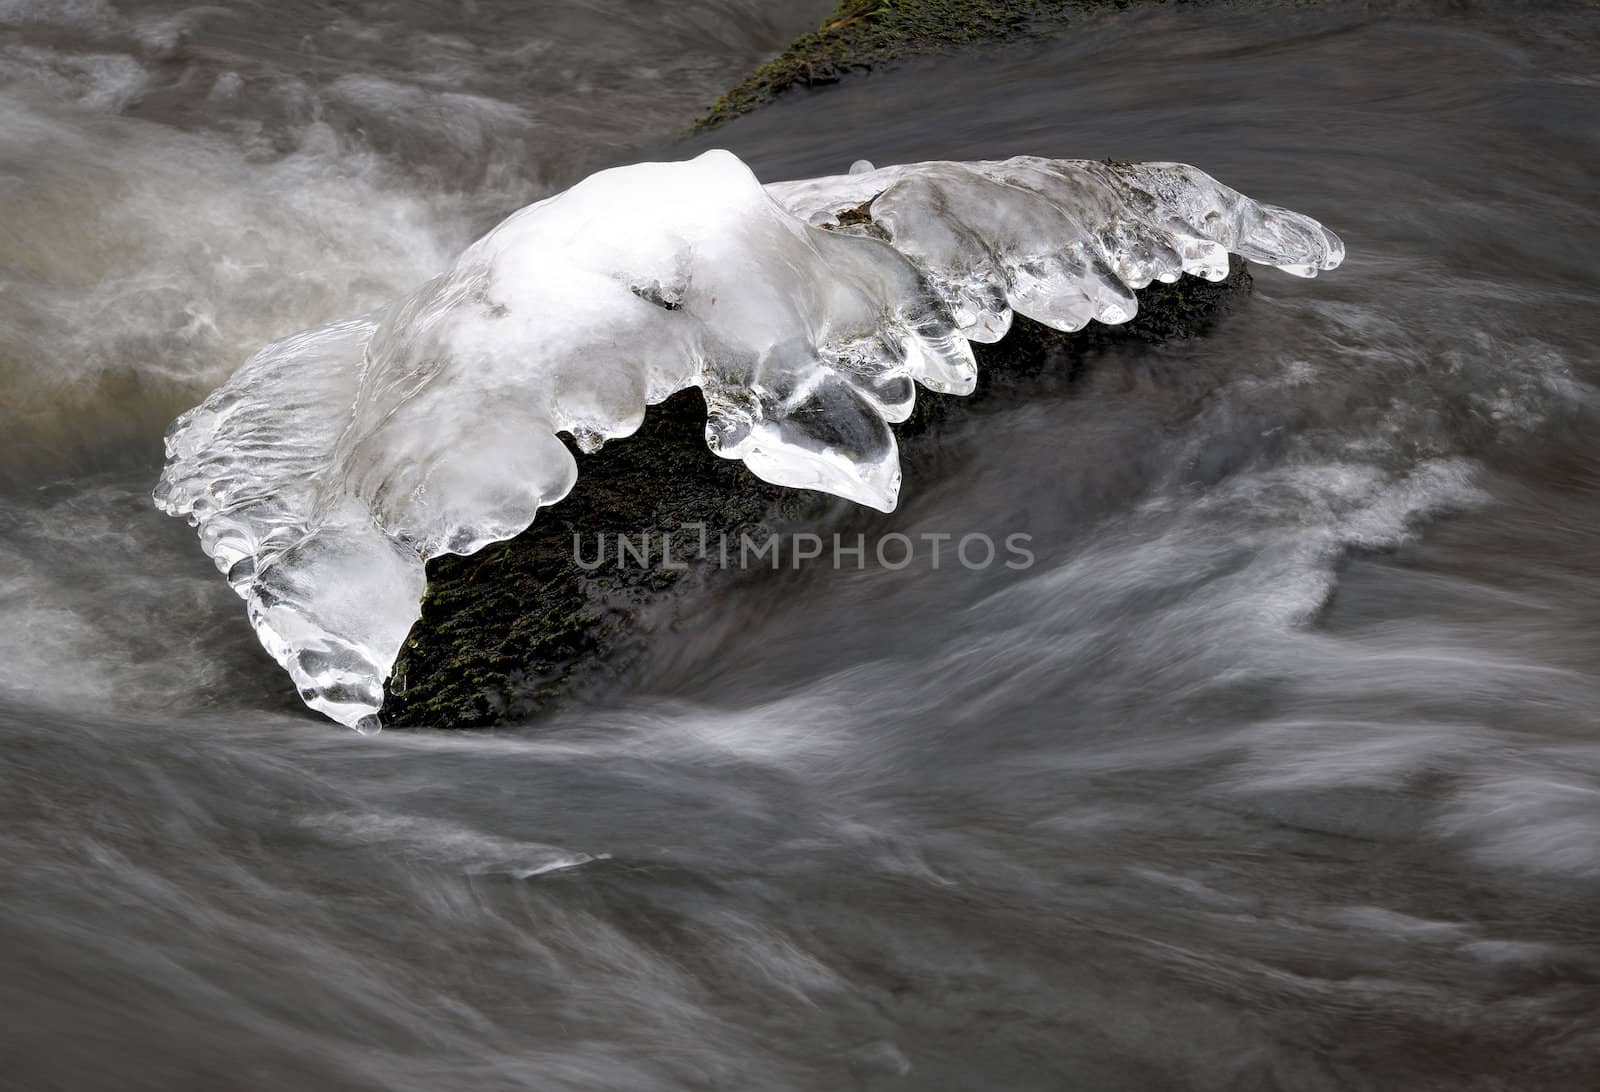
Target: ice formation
(334, 463)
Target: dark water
(1280, 769)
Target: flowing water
(1279, 767)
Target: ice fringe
(334, 463)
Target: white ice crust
(335, 462)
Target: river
(1279, 768)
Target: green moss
(863, 34)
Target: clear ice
(335, 462)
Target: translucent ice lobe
(333, 610)
(1061, 241)
(331, 466)
(243, 465)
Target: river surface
(1278, 769)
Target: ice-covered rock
(334, 463)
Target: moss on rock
(863, 34)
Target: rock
(512, 630)
(864, 34)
